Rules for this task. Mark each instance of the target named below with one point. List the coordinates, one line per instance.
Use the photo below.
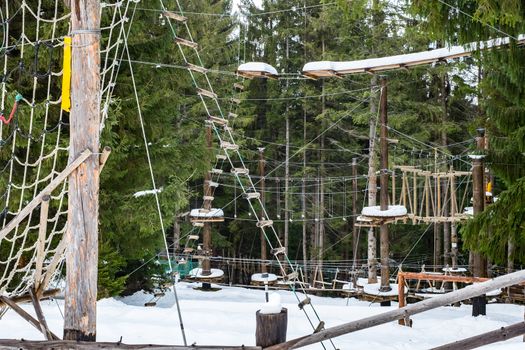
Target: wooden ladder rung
(235, 100)
(305, 302)
(193, 237)
(212, 183)
(221, 157)
(195, 68)
(252, 195)
(229, 146)
(175, 16)
(187, 250)
(208, 198)
(216, 171)
(240, 171)
(218, 120)
(319, 327)
(264, 223)
(207, 93)
(238, 86)
(276, 251)
(232, 115)
(187, 43)
(198, 224)
(292, 276)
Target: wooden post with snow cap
(271, 323)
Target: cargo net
(34, 133)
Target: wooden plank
(14, 306)
(104, 157)
(444, 278)
(12, 344)
(82, 232)
(502, 334)
(48, 189)
(412, 309)
(40, 315)
(26, 297)
(48, 274)
(41, 242)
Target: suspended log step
(212, 183)
(277, 251)
(196, 68)
(238, 86)
(227, 128)
(304, 302)
(188, 250)
(229, 146)
(292, 276)
(252, 195)
(208, 198)
(264, 223)
(207, 93)
(240, 171)
(187, 43)
(193, 237)
(232, 115)
(216, 171)
(235, 100)
(218, 120)
(198, 224)
(221, 157)
(175, 16)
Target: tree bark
(385, 241)
(82, 231)
(372, 181)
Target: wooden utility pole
(287, 164)
(478, 189)
(264, 256)
(372, 182)
(355, 243)
(385, 248)
(206, 230)
(82, 231)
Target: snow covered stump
(271, 323)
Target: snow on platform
(254, 69)
(393, 211)
(454, 269)
(329, 68)
(227, 317)
(373, 288)
(146, 192)
(197, 273)
(258, 277)
(212, 213)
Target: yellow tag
(66, 75)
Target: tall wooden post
(264, 255)
(372, 182)
(355, 243)
(383, 195)
(206, 230)
(82, 230)
(478, 189)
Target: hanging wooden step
(159, 294)
(232, 115)
(227, 128)
(198, 224)
(240, 171)
(203, 211)
(208, 198)
(175, 16)
(150, 304)
(221, 157)
(212, 183)
(292, 276)
(207, 93)
(193, 237)
(195, 68)
(319, 327)
(229, 146)
(218, 120)
(187, 43)
(304, 302)
(187, 250)
(238, 86)
(216, 171)
(235, 100)
(264, 223)
(277, 251)
(252, 195)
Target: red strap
(11, 115)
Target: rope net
(34, 133)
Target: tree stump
(271, 328)
(479, 306)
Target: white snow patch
(273, 306)
(476, 156)
(213, 213)
(147, 192)
(373, 288)
(391, 212)
(455, 269)
(264, 277)
(257, 67)
(468, 211)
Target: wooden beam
(444, 278)
(48, 189)
(13, 344)
(26, 297)
(412, 309)
(104, 157)
(502, 334)
(40, 315)
(14, 306)
(41, 242)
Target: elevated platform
(252, 70)
(206, 215)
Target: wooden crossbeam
(187, 43)
(175, 16)
(40, 315)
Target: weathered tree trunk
(82, 231)
(264, 255)
(385, 241)
(271, 328)
(206, 230)
(355, 242)
(372, 181)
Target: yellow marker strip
(66, 75)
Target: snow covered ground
(227, 317)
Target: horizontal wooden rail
(13, 344)
(401, 313)
(502, 334)
(444, 278)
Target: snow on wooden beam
(322, 69)
(252, 70)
